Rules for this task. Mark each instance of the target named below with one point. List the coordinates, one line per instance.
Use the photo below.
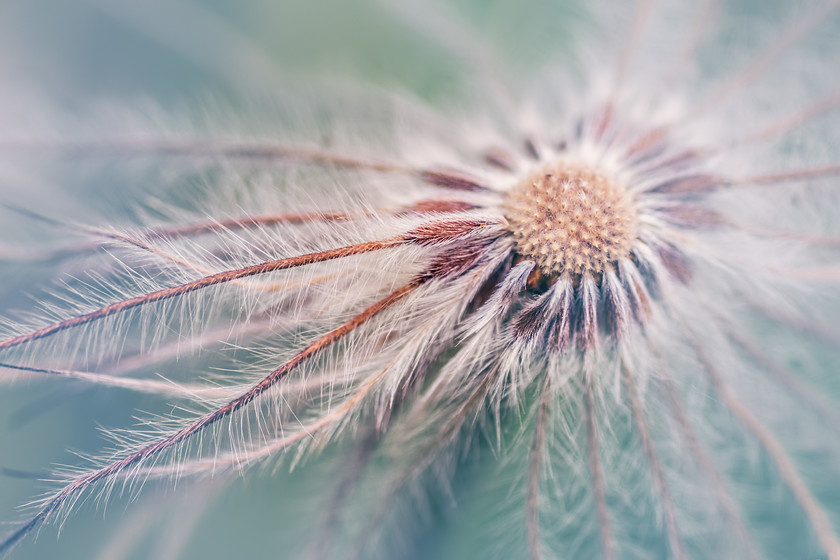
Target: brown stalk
(597, 473)
(211, 280)
(153, 449)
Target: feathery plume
(601, 298)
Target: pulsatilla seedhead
(571, 218)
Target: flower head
(591, 292)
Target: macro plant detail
(591, 291)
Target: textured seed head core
(571, 218)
